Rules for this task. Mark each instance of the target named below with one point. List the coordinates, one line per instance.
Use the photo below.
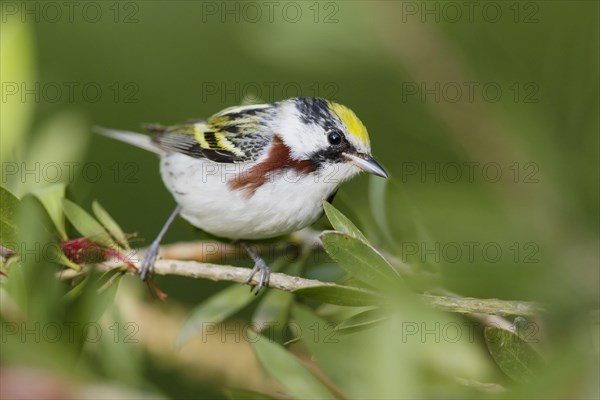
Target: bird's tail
(137, 139)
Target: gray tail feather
(137, 139)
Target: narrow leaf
(17, 64)
(359, 259)
(109, 223)
(245, 394)
(61, 141)
(215, 310)
(295, 378)
(106, 289)
(78, 289)
(340, 295)
(362, 320)
(90, 299)
(341, 223)
(9, 208)
(51, 198)
(272, 311)
(87, 225)
(377, 193)
(62, 259)
(515, 357)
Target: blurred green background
(485, 115)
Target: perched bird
(256, 171)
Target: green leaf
(340, 295)
(106, 288)
(51, 198)
(16, 286)
(377, 191)
(341, 223)
(272, 312)
(362, 320)
(336, 355)
(215, 310)
(359, 259)
(121, 358)
(78, 288)
(96, 292)
(57, 148)
(17, 70)
(87, 225)
(245, 394)
(62, 259)
(9, 208)
(109, 223)
(515, 357)
(295, 378)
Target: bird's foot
(263, 280)
(147, 265)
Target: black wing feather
(187, 144)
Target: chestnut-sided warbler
(256, 171)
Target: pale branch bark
(217, 272)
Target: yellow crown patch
(351, 121)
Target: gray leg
(147, 266)
(259, 265)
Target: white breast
(286, 203)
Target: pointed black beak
(367, 164)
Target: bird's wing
(235, 135)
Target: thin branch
(217, 272)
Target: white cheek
(336, 173)
(302, 138)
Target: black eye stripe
(331, 154)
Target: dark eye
(334, 137)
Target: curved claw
(263, 280)
(147, 265)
